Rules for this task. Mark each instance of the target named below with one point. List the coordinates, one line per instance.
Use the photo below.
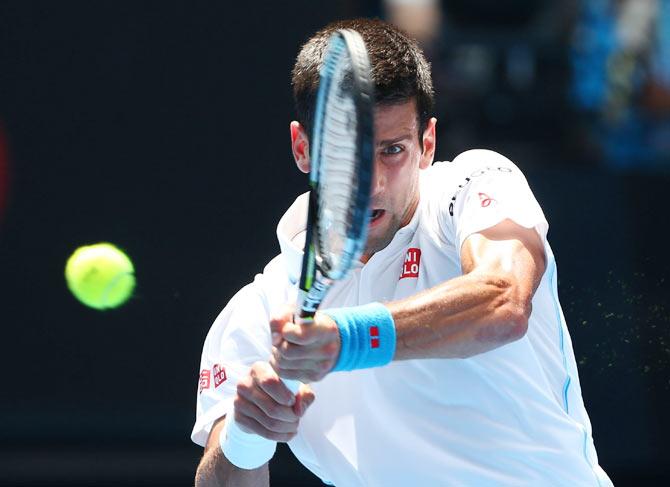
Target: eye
(393, 150)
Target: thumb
(303, 399)
(277, 322)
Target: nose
(378, 178)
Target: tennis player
(444, 357)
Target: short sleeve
(239, 337)
(493, 189)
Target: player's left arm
(485, 308)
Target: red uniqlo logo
(205, 376)
(374, 337)
(410, 267)
(219, 375)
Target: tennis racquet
(341, 156)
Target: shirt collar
(291, 235)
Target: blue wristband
(367, 336)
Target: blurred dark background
(163, 127)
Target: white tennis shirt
(511, 416)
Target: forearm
(215, 470)
(459, 318)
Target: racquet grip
(248, 450)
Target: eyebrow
(408, 135)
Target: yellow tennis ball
(100, 276)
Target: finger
(250, 425)
(322, 329)
(291, 351)
(313, 373)
(300, 334)
(248, 408)
(278, 320)
(305, 365)
(267, 404)
(301, 375)
(294, 372)
(267, 380)
(304, 399)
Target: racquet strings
(337, 166)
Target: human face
(398, 157)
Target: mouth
(376, 214)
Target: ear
(300, 146)
(428, 144)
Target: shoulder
(250, 307)
(445, 176)
(478, 158)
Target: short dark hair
(399, 69)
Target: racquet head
(341, 156)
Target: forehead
(395, 119)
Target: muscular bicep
(510, 250)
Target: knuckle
(239, 417)
(240, 405)
(245, 388)
(289, 436)
(259, 369)
(271, 381)
(237, 402)
(272, 424)
(282, 437)
(330, 348)
(324, 366)
(271, 435)
(272, 410)
(244, 385)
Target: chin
(378, 242)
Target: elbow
(507, 324)
(513, 312)
(516, 322)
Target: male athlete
(444, 357)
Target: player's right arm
(215, 470)
(264, 406)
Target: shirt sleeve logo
(486, 200)
(219, 375)
(472, 177)
(205, 380)
(410, 268)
